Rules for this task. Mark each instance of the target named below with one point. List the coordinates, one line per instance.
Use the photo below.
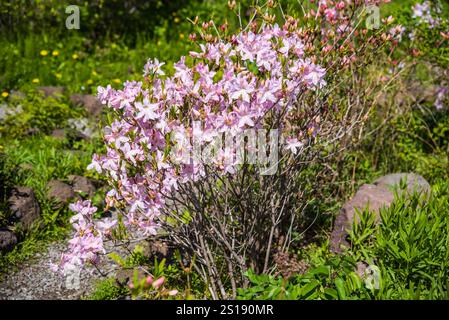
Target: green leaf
(340, 284)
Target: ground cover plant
(231, 134)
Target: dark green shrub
(36, 114)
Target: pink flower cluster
(336, 12)
(87, 242)
(226, 86)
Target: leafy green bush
(176, 274)
(410, 247)
(334, 279)
(410, 250)
(417, 141)
(35, 114)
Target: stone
(58, 133)
(17, 95)
(60, 192)
(421, 93)
(368, 196)
(126, 276)
(360, 269)
(52, 91)
(374, 197)
(338, 237)
(32, 131)
(26, 166)
(24, 207)
(82, 184)
(156, 248)
(414, 182)
(89, 102)
(8, 240)
(81, 128)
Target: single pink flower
(149, 280)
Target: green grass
(76, 67)
(36, 161)
(107, 290)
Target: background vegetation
(410, 247)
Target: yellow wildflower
(5, 94)
(58, 75)
(176, 20)
(181, 36)
(90, 81)
(55, 53)
(75, 56)
(116, 81)
(44, 53)
(35, 80)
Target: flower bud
(173, 292)
(158, 282)
(193, 37)
(149, 280)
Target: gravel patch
(36, 281)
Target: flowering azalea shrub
(211, 155)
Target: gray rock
(17, 95)
(82, 127)
(24, 206)
(26, 166)
(360, 269)
(51, 91)
(155, 248)
(374, 197)
(32, 131)
(82, 184)
(58, 133)
(414, 182)
(126, 276)
(35, 280)
(89, 102)
(61, 193)
(368, 196)
(7, 240)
